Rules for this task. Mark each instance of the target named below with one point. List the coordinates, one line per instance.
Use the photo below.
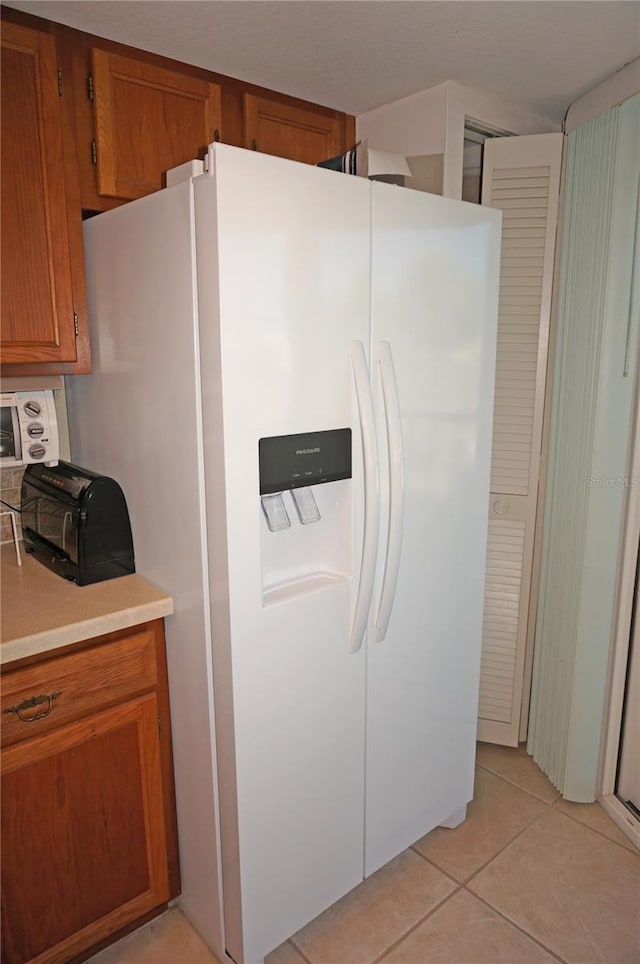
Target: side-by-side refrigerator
(292, 380)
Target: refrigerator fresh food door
(283, 269)
(434, 307)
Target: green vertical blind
(594, 382)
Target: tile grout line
(380, 958)
(512, 783)
(631, 849)
(435, 907)
(498, 853)
(501, 913)
(482, 867)
(467, 880)
(502, 849)
(457, 887)
(406, 933)
(518, 927)
(431, 863)
(552, 805)
(462, 885)
(299, 950)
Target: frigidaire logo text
(307, 451)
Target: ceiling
(355, 55)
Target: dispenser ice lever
(306, 505)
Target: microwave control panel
(29, 428)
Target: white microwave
(28, 428)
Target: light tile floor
(527, 877)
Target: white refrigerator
(292, 380)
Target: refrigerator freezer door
(136, 417)
(283, 268)
(434, 300)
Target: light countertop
(41, 611)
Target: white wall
(412, 126)
(610, 93)
(432, 122)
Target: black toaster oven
(76, 523)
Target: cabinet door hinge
(160, 726)
(60, 87)
(94, 153)
(90, 88)
(76, 327)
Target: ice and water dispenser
(305, 491)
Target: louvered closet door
(521, 176)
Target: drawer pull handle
(46, 698)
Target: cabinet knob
(33, 701)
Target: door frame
(621, 643)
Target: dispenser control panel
(292, 461)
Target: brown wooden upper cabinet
(38, 323)
(294, 132)
(147, 120)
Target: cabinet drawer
(45, 695)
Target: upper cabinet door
(37, 301)
(147, 120)
(297, 133)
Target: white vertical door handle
(371, 506)
(396, 490)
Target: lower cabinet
(88, 814)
